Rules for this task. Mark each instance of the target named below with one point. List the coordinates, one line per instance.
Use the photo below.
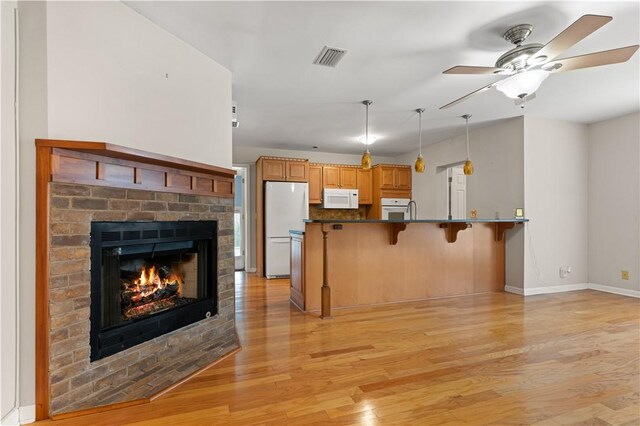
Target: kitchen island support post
(326, 290)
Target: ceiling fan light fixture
(524, 83)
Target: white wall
(33, 124)
(497, 184)
(614, 202)
(8, 284)
(107, 71)
(97, 71)
(555, 177)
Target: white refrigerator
(286, 206)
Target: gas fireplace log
(132, 297)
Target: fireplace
(148, 279)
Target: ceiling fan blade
(457, 101)
(606, 57)
(575, 32)
(463, 69)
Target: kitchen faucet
(411, 211)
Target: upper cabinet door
(330, 177)
(273, 169)
(315, 184)
(387, 177)
(297, 171)
(403, 178)
(348, 178)
(365, 186)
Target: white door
(457, 193)
(239, 218)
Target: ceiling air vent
(330, 56)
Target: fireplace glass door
(143, 279)
(149, 278)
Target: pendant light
(468, 165)
(419, 166)
(366, 157)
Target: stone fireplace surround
(75, 384)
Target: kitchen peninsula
(368, 262)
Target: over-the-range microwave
(340, 198)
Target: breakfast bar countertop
(520, 220)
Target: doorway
(456, 193)
(240, 218)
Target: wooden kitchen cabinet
(283, 169)
(394, 177)
(403, 178)
(339, 177)
(315, 183)
(348, 178)
(365, 186)
(330, 177)
(389, 181)
(273, 169)
(297, 171)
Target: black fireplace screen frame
(110, 340)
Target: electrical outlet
(564, 271)
(624, 275)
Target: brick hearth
(146, 369)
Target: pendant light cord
(467, 120)
(420, 133)
(366, 127)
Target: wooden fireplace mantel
(103, 164)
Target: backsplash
(316, 212)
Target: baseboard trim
(615, 290)
(27, 414)
(12, 418)
(252, 270)
(514, 290)
(555, 289)
(571, 287)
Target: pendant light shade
(468, 165)
(366, 157)
(366, 160)
(419, 166)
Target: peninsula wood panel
(364, 269)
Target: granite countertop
(416, 221)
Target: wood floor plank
(498, 358)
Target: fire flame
(150, 282)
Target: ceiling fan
(528, 65)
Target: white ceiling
(397, 52)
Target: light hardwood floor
(570, 358)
